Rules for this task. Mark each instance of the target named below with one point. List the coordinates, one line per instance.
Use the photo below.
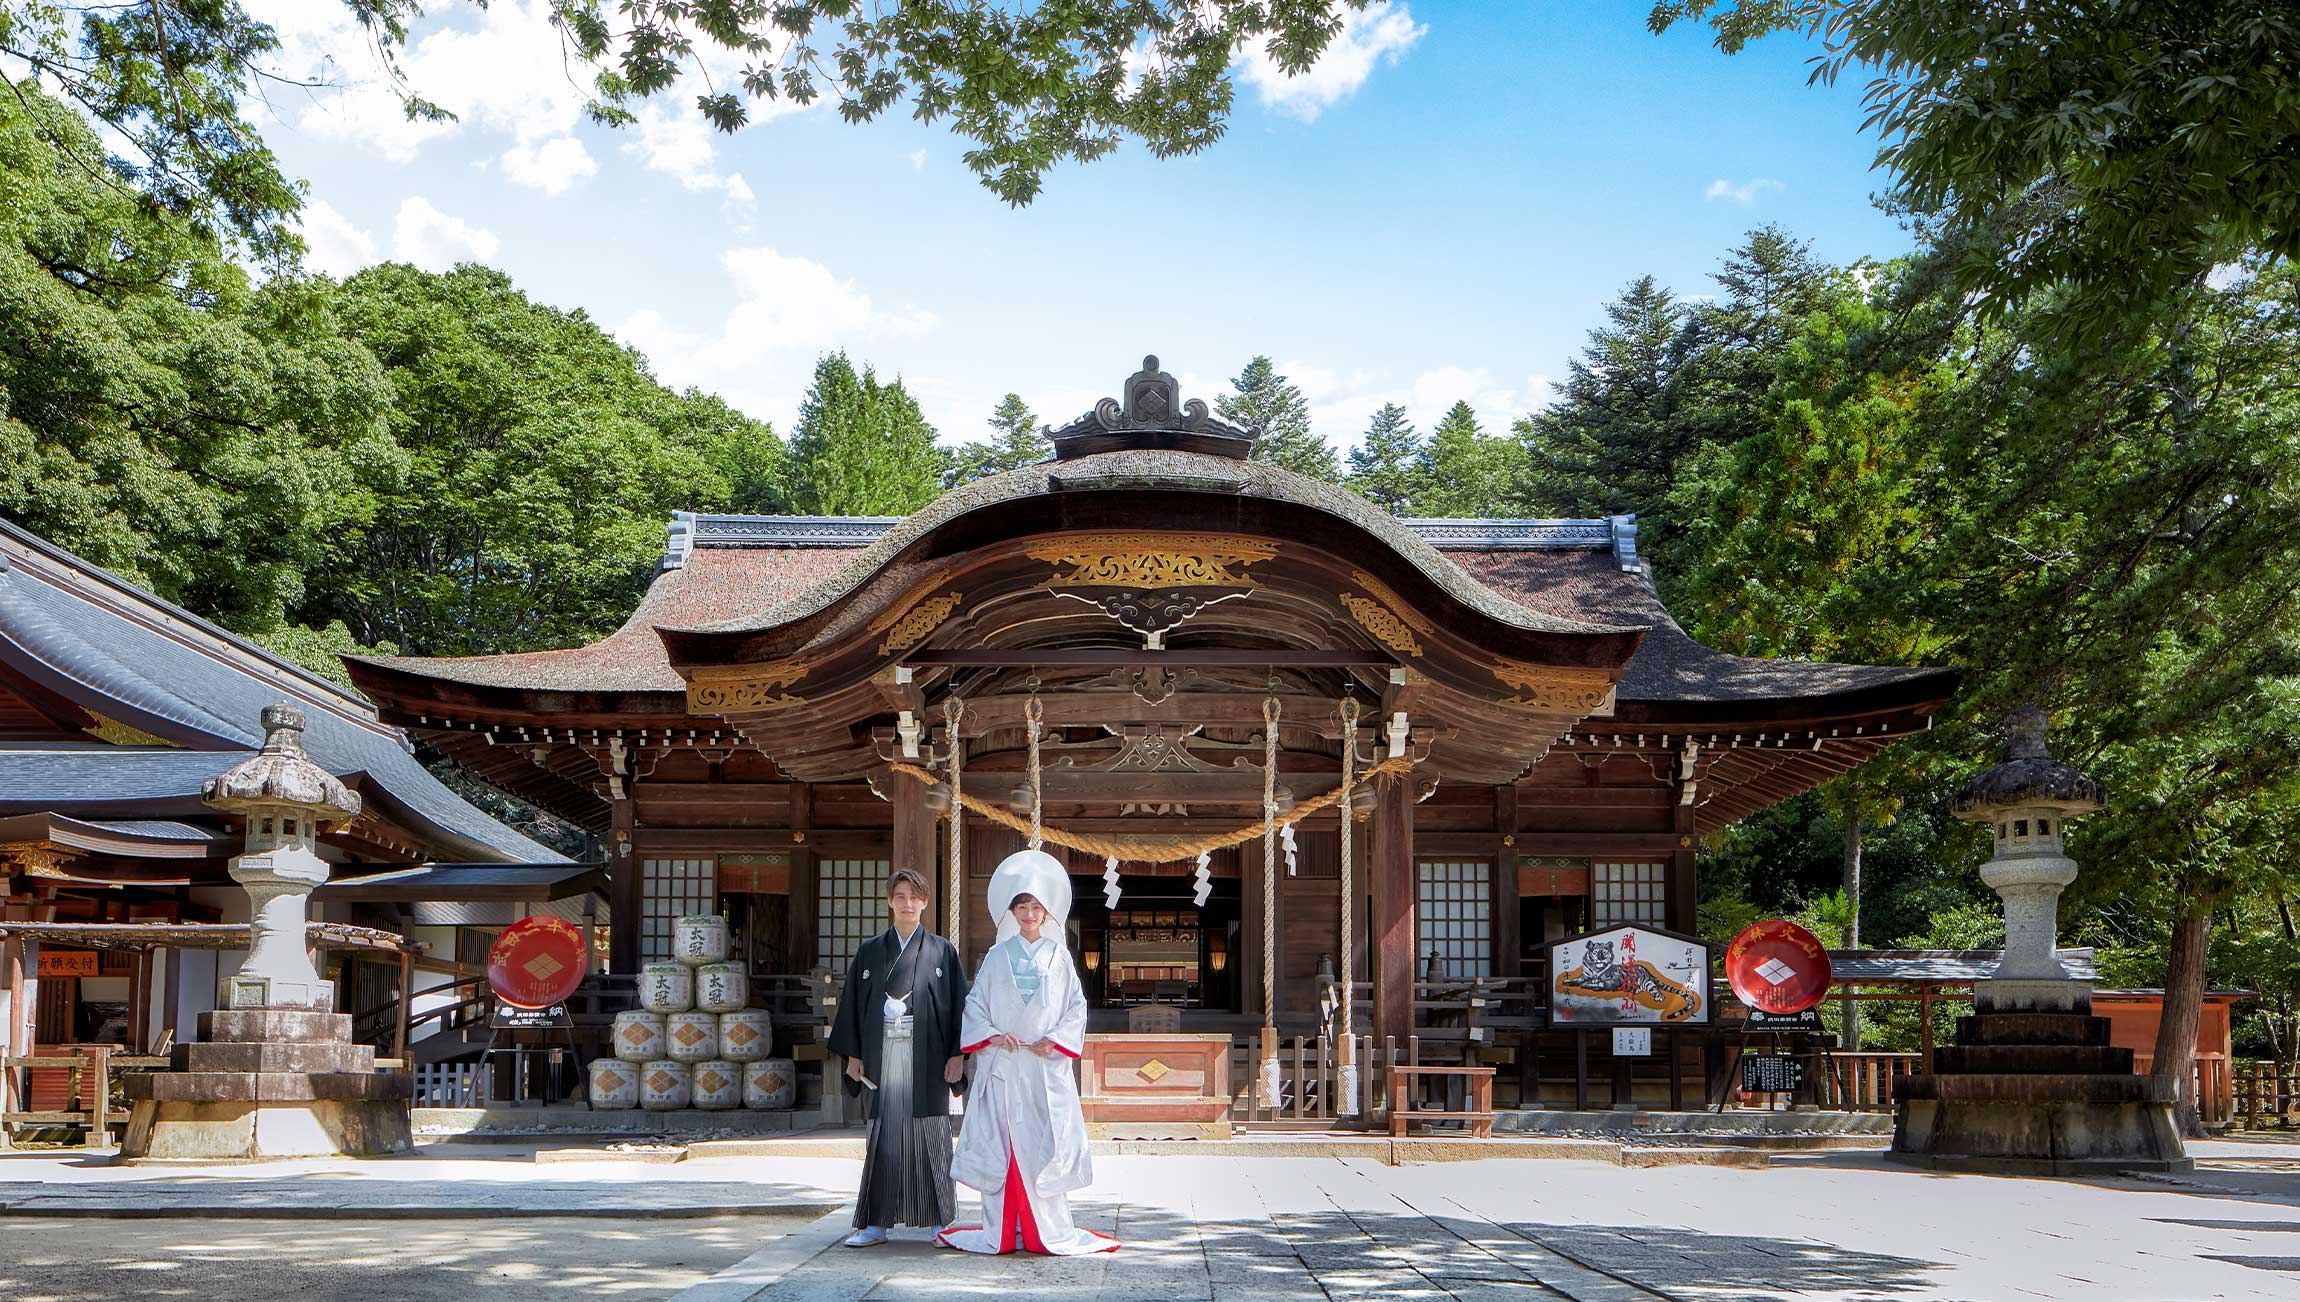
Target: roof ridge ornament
(1150, 413)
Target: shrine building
(1536, 747)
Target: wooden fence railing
(2267, 1095)
(454, 1084)
(1863, 1082)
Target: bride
(1022, 1144)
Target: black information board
(1776, 1073)
(1808, 1021)
(509, 1017)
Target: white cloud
(1744, 194)
(787, 310)
(552, 167)
(1381, 33)
(435, 241)
(917, 160)
(337, 246)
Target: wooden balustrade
(2267, 1094)
(1863, 1082)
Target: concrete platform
(1537, 1121)
(574, 1120)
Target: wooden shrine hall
(1159, 650)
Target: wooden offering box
(1157, 1086)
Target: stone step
(2032, 1028)
(274, 1057)
(267, 1087)
(2033, 1059)
(274, 1026)
(1995, 1087)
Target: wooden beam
(624, 898)
(1394, 939)
(1203, 657)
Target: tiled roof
(736, 572)
(112, 648)
(1939, 964)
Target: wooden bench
(1479, 1117)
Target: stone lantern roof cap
(281, 775)
(2029, 776)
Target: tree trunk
(2183, 1009)
(1849, 1012)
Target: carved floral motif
(1151, 560)
(1555, 689)
(914, 624)
(755, 690)
(1379, 620)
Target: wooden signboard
(67, 963)
(1629, 976)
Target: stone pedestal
(2035, 1093)
(266, 1083)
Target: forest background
(2056, 446)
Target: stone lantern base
(269, 1082)
(2035, 1093)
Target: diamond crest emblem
(690, 1034)
(661, 1082)
(741, 1034)
(543, 967)
(1153, 1071)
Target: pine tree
(1386, 467)
(1016, 441)
(1614, 440)
(862, 447)
(1464, 470)
(1261, 396)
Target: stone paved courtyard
(1838, 1226)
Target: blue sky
(1438, 211)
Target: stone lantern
(287, 800)
(274, 1072)
(2027, 802)
(2032, 1085)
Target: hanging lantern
(1285, 798)
(1021, 798)
(1362, 800)
(938, 797)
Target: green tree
(2091, 160)
(1016, 441)
(1386, 466)
(1032, 86)
(1464, 470)
(1259, 396)
(862, 447)
(158, 414)
(1613, 442)
(536, 462)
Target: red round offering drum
(536, 962)
(1777, 967)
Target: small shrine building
(773, 728)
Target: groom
(897, 1027)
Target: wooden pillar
(1393, 905)
(625, 898)
(806, 883)
(914, 829)
(1508, 948)
(1684, 898)
(407, 998)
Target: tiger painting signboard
(1629, 976)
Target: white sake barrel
(746, 1035)
(639, 1035)
(691, 1037)
(699, 939)
(614, 1083)
(665, 1086)
(718, 1085)
(772, 1085)
(722, 987)
(666, 987)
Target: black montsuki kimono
(906, 1162)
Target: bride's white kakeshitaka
(1030, 872)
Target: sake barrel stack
(722, 987)
(638, 1035)
(691, 1037)
(699, 939)
(666, 988)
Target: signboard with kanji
(1777, 967)
(67, 963)
(537, 962)
(1629, 976)
(1772, 1073)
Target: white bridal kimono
(1022, 1144)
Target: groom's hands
(954, 1070)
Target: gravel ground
(417, 1261)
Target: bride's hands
(1043, 1048)
(1005, 1041)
